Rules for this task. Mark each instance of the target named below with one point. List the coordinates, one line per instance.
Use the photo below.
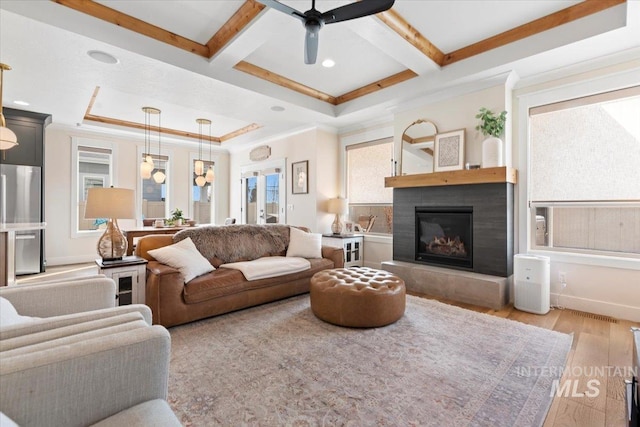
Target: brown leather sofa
(223, 290)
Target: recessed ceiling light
(328, 63)
(277, 108)
(104, 57)
(23, 103)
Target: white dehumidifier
(532, 285)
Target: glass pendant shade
(199, 167)
(149, 160)
(201, 181)
(145, 170)
(159, 177)
(8, 139)
(210, 176)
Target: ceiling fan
(313, 19)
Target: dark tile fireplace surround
(491, 205)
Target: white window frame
(214, 185)
(526, 221)
(96, 143)
(168, 181)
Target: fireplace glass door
(444, 236)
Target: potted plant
(176, 216)
(492, 127)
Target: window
(367, 166)
(154, 194)
(202, 197)
(584, 188)
(92, 166)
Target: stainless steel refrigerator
(21, 202)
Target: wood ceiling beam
(376, 86)
(92, 101)
(123, 20)
(564, 16)
(117, 122)
(400, 25)
(264, 74)
(234, 26)
(141, 126)
(241, 131)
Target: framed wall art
(300, 177)
(449, 151)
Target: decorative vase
(492, 152)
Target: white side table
(352, 244)
(129, 273)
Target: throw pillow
(9, 316)
(185, 257)
(5, 421)
(303, 244)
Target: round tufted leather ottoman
(357, 297)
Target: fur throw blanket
(233, 243)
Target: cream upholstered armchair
(81, 361)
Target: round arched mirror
(417, 147)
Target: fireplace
(444, 236)
(490, 206)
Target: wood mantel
(461, 177)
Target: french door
(263, 194)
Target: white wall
(456, 113)
(320, 148)
(60, 246)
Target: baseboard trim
(77, 259)
(617, 311)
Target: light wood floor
(599, 343)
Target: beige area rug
(278, 365)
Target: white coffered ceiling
(173, 55)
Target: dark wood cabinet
(29, 128)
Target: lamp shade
(338, 206)
(110, 203)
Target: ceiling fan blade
(356, 10)
(310, 47)
(283, 8)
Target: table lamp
(338, 206)
(111, 203)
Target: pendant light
(198, 167)
(210, 176)
(147, 166)
(8, 139)
(199, 164)
(159, 176)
